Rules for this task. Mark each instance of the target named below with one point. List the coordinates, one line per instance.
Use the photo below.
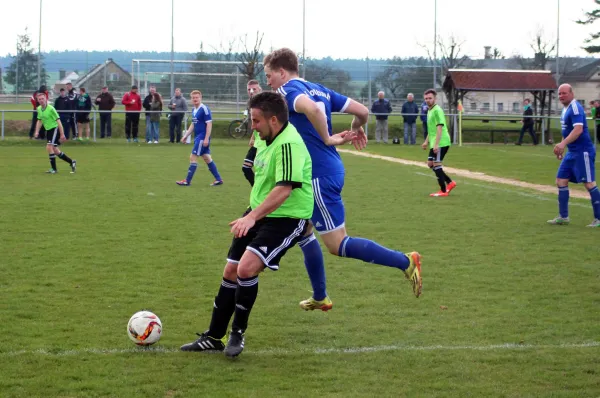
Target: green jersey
(258, 143)
(48, 116)
(436, 117)
(284, 160)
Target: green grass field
(510, 305)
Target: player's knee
(430, 164)
(230, 271)
(309, 230)
(207, 159)
(589, 185)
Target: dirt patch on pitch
(474, 175)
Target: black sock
(222, 309)
(52, 161)
(249, 174)
(64, 157)
(447, 179)
(245, 296)
(439, 172)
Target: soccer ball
(144, 328)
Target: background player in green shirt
(438, 141)
(281, 203)
(48, 117)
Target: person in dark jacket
(527, 122)
(105, 103)
(147, 106)
(63, 107)
(73, 99)
(381, 108)
(35, 103)
(83, 118)
(410, 112)
(424, 109)
(178, 107)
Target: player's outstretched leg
(72, 162)
(315, 267)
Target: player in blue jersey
(202, 126)
(310, 106)
(577, 165)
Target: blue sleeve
(339, 102)
(290, 94)
(207, 116)
(578, 118)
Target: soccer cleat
(135, 140)
(51, 171)
(216, 182)
(558, 220)
(450, 186)
(183, 183)
(595, 224)
(413, 272)
(235, 345)
(205, 344)
(440, 193)
(73, 166)
(311, 304)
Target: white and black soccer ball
(144, 328)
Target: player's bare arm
(61, 130)
(188, 132)
(272, 202)
(318, 119)
(207, 136)
(573, 135)
(38, 125)
(251, 142)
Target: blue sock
(595, 196)
(213, 169)
(315, 266)
(191, 171)
(371, 252)
(563, 201)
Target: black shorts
(82, 117)
(439, 157)
(250, 155)
(269, 239)
(53, 136)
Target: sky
(335, 28)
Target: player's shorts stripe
(588, 169)
(54, 134)
(287, 241)
(321, 205)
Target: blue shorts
(328, 214)
(200, 149)
(578, 167)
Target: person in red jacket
(133, 106)
(34, 119)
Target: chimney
(488, 52)
(61, 74)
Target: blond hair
(196, 92)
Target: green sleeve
(439, 117)
(289, 160)
(54, 114)
(39, 112)
(594, 112)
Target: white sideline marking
(470, 174)
(349, 350)
(520, 193)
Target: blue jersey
(325, 159)
(571, 116)
(200, 117)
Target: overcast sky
(336, 28)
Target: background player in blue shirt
(578, 164)
(310, 106)
(202, 126)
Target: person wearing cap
(63, 107)
(35, 103)
(106, 103)
(133, 106)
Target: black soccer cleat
(235, 345)
(205, 344)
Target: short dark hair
(82, 89)
(283, 58)
(431, 91)
(252, 82)
(271, 104)
(62, 89)
(134, 87)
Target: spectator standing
(178, 107)
(596, 117)
(527, 122)
(63, 107)
(84, 106)
(34, 117)
(410, 112)
(147, 105)
(381, 108)
(106, 103)
(73, 99)
(133, 106)
(424, 109)
(155, 106)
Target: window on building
(473, 106)
(113, 77)
(500, 107)
(516, 107)
(486, 106)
